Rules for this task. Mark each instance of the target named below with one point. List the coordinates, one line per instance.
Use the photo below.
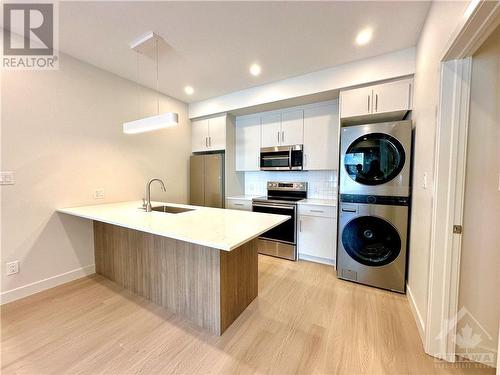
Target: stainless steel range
(282, 198)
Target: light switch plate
(7, 178)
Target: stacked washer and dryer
(374, 192)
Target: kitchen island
(200, 263)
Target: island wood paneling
(205, 285)
(238, 281)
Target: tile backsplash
(320, 184)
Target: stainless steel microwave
(282, 158)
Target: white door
(321, 126)
(317, 237)
(217, 133)
(271, 129)
(199, 135)
(356, 102)
(248, 143)
(391, 97)
(292, 128)
(479, 278)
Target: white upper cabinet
(393, 96)
(271, 129)
(217, 133)
(199, 135)
(248, 143)
(387, 101)
(356, 102)
(292, 128)
(208, 134)
(321, 129)
(282, 128)
(315, 126)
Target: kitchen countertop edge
(225, 246)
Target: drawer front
(239, 204)
(316, 210)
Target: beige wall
(479, 289)
(442, 21)
(62, 136)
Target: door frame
(449, 181)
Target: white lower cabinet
(317, 237)
(239, 204)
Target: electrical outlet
(12, 267)
(7, 178)
(99, 194)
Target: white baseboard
(51, 282)
(416, 314)
(330, 262)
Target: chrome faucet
(147, 202)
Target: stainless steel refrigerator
(207, 180)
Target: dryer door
(374, 159)
(371, 241)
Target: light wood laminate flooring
(304, 320)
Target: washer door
(371, 241)
(374, 159)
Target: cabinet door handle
(209, 141)
(238, 204)
(206, 141)
(283, 136)
(278, 137)
(320, 211)
(368, 103)
(376, 102)
(305, 160)
(300, 225)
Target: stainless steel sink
(171, 209)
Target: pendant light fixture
(160, 120)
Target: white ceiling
(210, 45)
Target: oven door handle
(273, 206)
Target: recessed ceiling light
(189, 90)
(255, 69)
(364, 36)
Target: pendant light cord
(157, 79)
(138, 88)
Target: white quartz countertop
(213, 227)
(319, 202)
(244, 197)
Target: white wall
(479, 290)
(441, 24)
(62, 136)
(388, 66)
